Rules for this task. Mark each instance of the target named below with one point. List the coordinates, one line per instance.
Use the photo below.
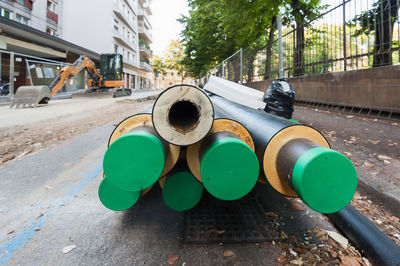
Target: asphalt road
(48, 200)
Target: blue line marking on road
(13, 244)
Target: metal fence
(345, 35)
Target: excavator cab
(111, 66)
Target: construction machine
(105, 82)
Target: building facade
(43, 15)
(170, 78)
(114, 26)
(32, 48)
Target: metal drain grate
(220, 221)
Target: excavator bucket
(31, 96)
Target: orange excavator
(107, 81)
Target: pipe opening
(183, 116)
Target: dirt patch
(18, 141)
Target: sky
(163, 20)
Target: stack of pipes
(191, 141)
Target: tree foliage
(158, 66)
(379, 21)
(215, 29)
(173, 57)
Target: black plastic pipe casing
(374, 244)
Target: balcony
(146, 66)
(145, 51)
(122, 39)
(145, 4)
(145, 34)
(144, 18)
(123, 17)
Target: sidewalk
(57, 108)
(373, 146)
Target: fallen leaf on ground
(341, 240)
(270, 214)
(384, 157)
(297, 262)
(367, 164)
(349, 261)
(10, 231)
(281, 259)
(48, 187)
(296, 207)
(229, 253)
(68, 249)
(37, 229)
(172, 258)
(68, 164)
(374, 141)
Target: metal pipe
(374, 244)
(182, 115)
(311, 174)
(224, 160)
(11, 75)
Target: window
(52, 6)
(128, 35)
(129, 56)
(116, 24)
(22, 19)
(5, 13)
(22, 2)
(116, 48)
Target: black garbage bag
(279, 99)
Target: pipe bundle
(191, 140)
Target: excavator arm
(82, 63)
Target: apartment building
(43, 15)
(34, 30)
(114, 26)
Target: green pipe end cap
(325, 179)
(134, 161)
(116, 199)
(229, 169)
(182, 191)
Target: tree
(379, 21)
(158, 66)
(215, 29)
(173, 57)
(302, 12)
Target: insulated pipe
(183, 115)
(116, 199)
(181, 191)
(225, 160)
(374, 244)
(311, 173)
(136, 156)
